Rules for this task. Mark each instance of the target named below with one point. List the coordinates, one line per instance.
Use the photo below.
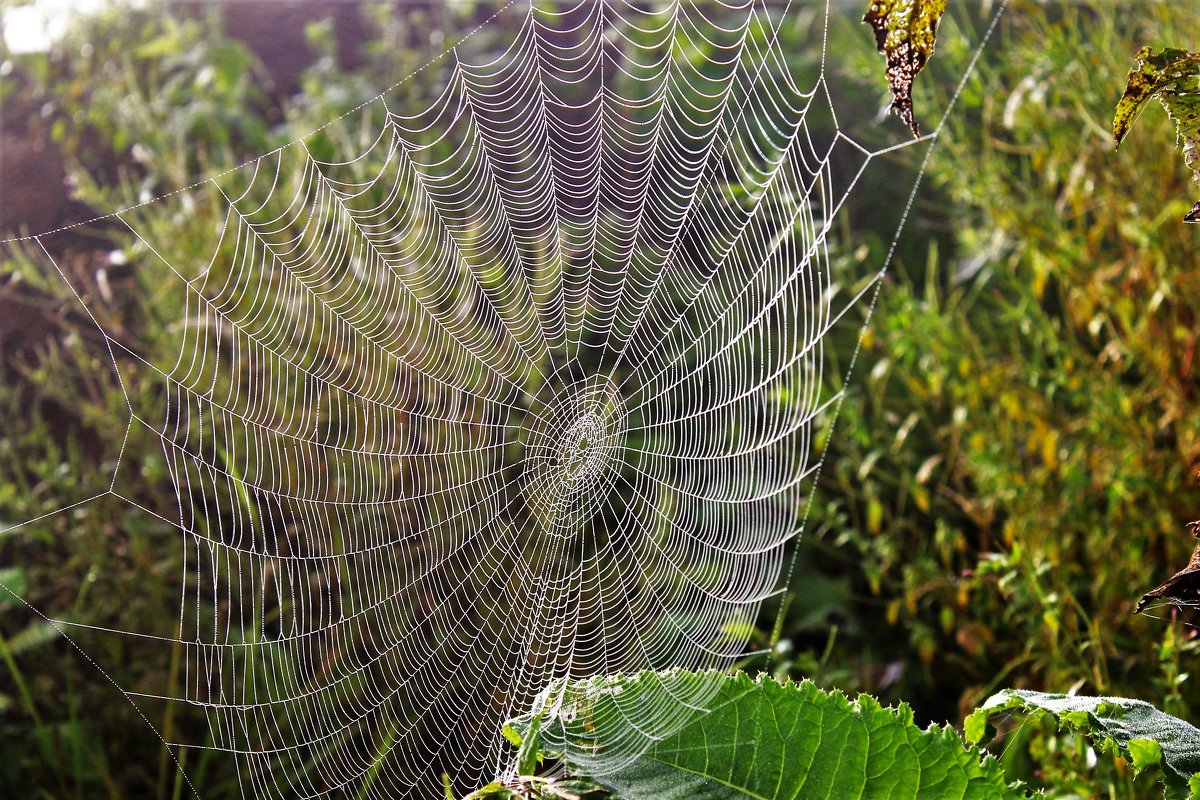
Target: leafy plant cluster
(1014, 466)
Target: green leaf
(528, 756)
(905, 32)
(493, 791)
(1145, 753)
(34, 635)
(1173, 76)
(164, 44)
(740, 737)
(1139, 731)
(12, 585)
(976, 729)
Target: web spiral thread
(526, 389)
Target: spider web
(528, 388)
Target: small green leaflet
(905, 32)
(750, 738)
(1140, 732)
(1173, 76)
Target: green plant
(1148, 738)
(741, 737)
(1013, 457)
(996, 491)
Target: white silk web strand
(527, 389)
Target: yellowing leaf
(905, 32)
(874, 516)
(1173, 76)
(921, 496)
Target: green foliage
(741, 737)
(1173, 76)
(1141, 733)
(1013, 465)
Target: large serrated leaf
(1173, 76)
(1140, 732)
(751, 738)
(905, 32)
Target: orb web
(526, 388)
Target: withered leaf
(905, 32)
(1173, 76)
(1183, 587)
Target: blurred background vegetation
(1013, 466)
